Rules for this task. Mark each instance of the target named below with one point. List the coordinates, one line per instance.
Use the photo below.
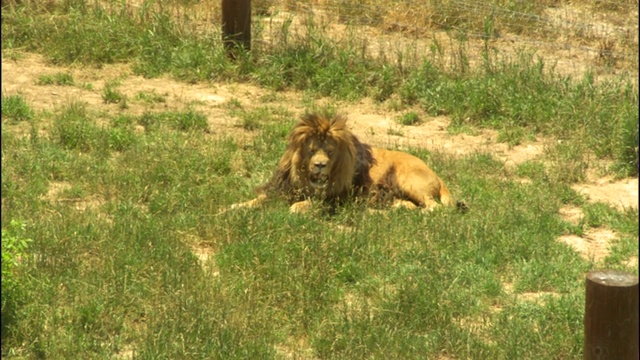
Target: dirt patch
(204, 252)
(622, 194)
(62, 192)
(593, 245)
(295, 348)
(538, 296)
(480, 325)
(382, 129)
(21, 76)
(55, 189)
(571, 214)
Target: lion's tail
(447, 200)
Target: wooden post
(236, 25)
(611, 316)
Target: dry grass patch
(295, 349)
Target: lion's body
(325, 161)
(408, 178)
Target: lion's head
(323, 158)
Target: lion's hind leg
(422, 194)
(403, 204)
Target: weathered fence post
(611, 316)
(236, 25)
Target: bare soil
(373, 123)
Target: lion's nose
(320, 164)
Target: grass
(120, 275)
(186, 120)
(56, 79)
(525, 102)
(151, 97)
(14, 248)
(15, 108)
(409, 118)
(111, 95)
(121, 206)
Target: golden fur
(325, 161)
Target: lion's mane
(349, 173)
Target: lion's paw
(301, 207)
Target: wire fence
(578, 36)
(575, 36)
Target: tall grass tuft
(75, 129)
(15, 108)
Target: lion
(325, 161)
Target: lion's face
(319, 157)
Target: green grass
(111, 95)
(119, 275)
(14, 249)
(522, 98)
(151, 97)
(186, 120)
(119, 206)
(56, 79)
(15, 108)
(409, 118)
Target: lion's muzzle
(319, 171)
(319, 176)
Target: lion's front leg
(251, 203)
(301, 207)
